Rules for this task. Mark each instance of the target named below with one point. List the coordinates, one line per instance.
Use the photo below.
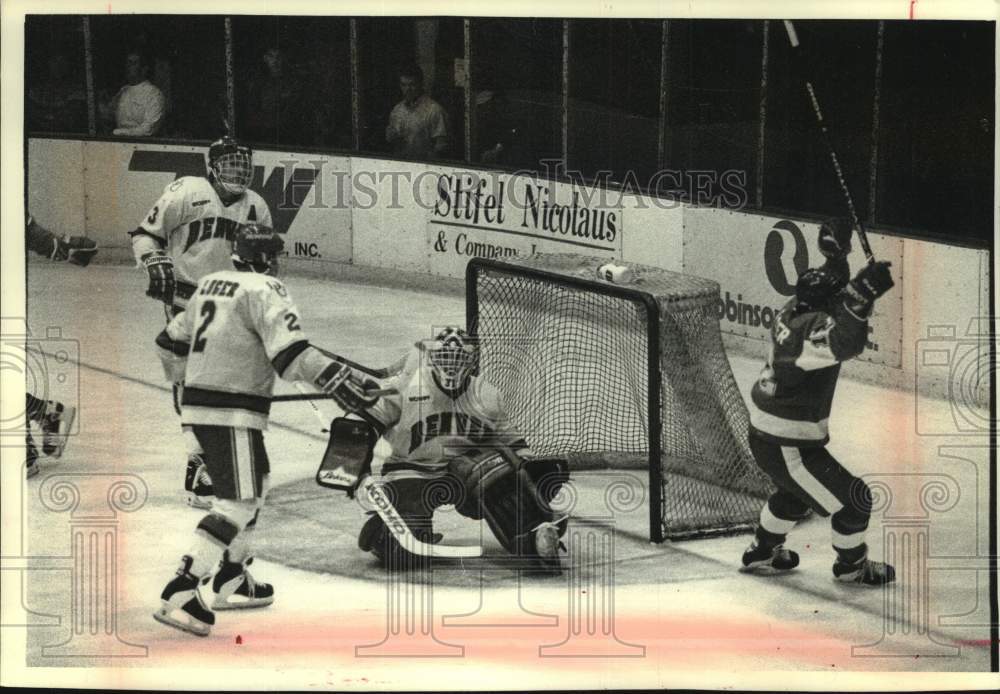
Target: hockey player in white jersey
(188, 234)
(240, 329)
(450, 441)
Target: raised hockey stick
(825, 138)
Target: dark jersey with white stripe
(792, 398)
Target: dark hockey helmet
(256, 248)
(454, 357)
(230, 164)
(817, 286)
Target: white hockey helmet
(454, 357)
(231, 165)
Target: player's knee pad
(786, 506)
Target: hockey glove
(347, 389)
(835, 238)
(78, 250)
(160, 268)
(871, 282)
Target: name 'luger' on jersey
(229, 378)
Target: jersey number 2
(207, 316)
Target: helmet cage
(454, 359)
(232, 165)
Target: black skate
(31, 459)
(182, 606)
(768, 560)
(236, 589)
(864, 572)
(198, 484)
(56, 424)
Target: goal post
(621, 375)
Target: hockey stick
(387, 512)
(401, 531)
(825, 138)
(387, 372)
(377, 392)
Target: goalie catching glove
(160, 269)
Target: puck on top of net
(616, 274)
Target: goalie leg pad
(498, 489)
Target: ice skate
(181, 604)
(236, 589)
(198, 484)
(56, 424)
(547, 547)
(31, 460)
(764, 560)
(864, 572)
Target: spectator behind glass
(499, 139)
(59, 104)
(139, 107)
(417, 125)
(274, 104)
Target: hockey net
(622, 376)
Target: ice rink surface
(671, 607)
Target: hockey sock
(213, 536)
(777, 518)
(849, 524)
(242, 546)
(35, 407)
(852, 555)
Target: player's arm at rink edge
(173, 344)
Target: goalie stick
(793, 38)
(383, 506)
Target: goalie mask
(256, 249)
(230, 164)
(454, 357)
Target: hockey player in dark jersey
(825, 324)
(54, 418)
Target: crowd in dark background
(910, 104)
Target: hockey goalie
(449, 441)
